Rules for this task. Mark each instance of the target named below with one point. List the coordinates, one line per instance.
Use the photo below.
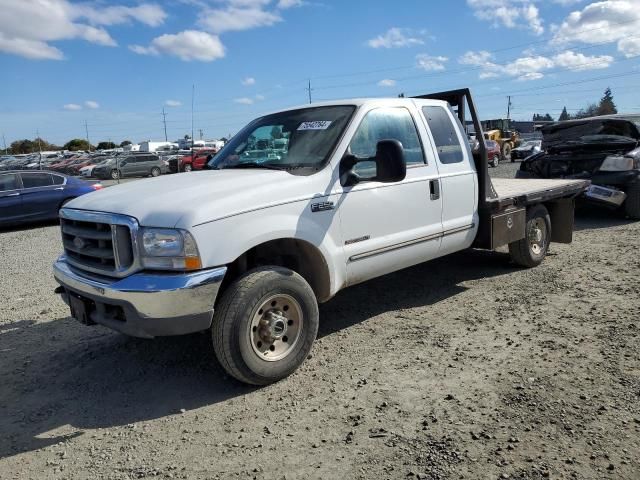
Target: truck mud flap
(562, 219)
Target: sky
(111, 68)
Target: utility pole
(164, 119)
(193, 94)
(86, 129)
(201, 133)
(309, 89)
(39, 150)
(5, 144)
(509, 108)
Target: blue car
(32, 196)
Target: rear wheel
(632, 203)
(531, 250)
(115, 174)
(496, 160)
(265, 324)
(187, 167)
(155, 172)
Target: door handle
(434, 189)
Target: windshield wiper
(267, 166)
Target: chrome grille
(100, 243)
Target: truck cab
(360, 188)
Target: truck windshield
(295, 139)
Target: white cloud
(248, 81)
(244, 101)
(72, 106)
(188, 45)
(396, 38)
(173, 103)
(236, 18)
(284, 4)
(27, 27)
(429, 63)
(91, 104)
(387, 82)
(600, 22)
(259, 97)
(509, 13)
(532, 67)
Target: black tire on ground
(236, 339)
(115, 174)
(187, 167)
(155, 172)
(531, 250)
(506, 150)
(496, 161)
(632, 203)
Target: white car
(247, 248)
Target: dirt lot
(465, 367)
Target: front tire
(506, 151)
(531, 250)
(155, 172)
(264, 325)
(115, 174)
(496, 161)
(632, 203)
(187, 167)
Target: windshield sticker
(316, 125)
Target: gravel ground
(464, 367)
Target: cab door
(389, 226)
(10, 198)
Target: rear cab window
(444, 134)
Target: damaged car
(605, 150)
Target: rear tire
(187, 167)
(115, 174)
(531, 250)
(264, 325)
(632, 203)
(496, 161)
(155, 172)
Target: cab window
(387, 123)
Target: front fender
(222, 241)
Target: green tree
(542, 118)
(77, 144)
(105, 146)
(590, 111)
(606, 106)
(125, 143)
(32, 146)
(564, 115)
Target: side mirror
(390, 165)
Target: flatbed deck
(523, 191)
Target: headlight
(618, 163)
(169, 249)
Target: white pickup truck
(298, 205)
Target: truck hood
(188, 199)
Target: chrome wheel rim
(537, 236)
(275, 328)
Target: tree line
(41, 145)
(606, 106)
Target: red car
(195, 162)
(493, 152)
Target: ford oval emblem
(79, 243)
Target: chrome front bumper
(145, 304)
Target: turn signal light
(192, 263)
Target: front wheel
(115, 174)
(155, 172)
(496, 161)
(264, 325)
(531, 250)
(506, 151)
(187, 167)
